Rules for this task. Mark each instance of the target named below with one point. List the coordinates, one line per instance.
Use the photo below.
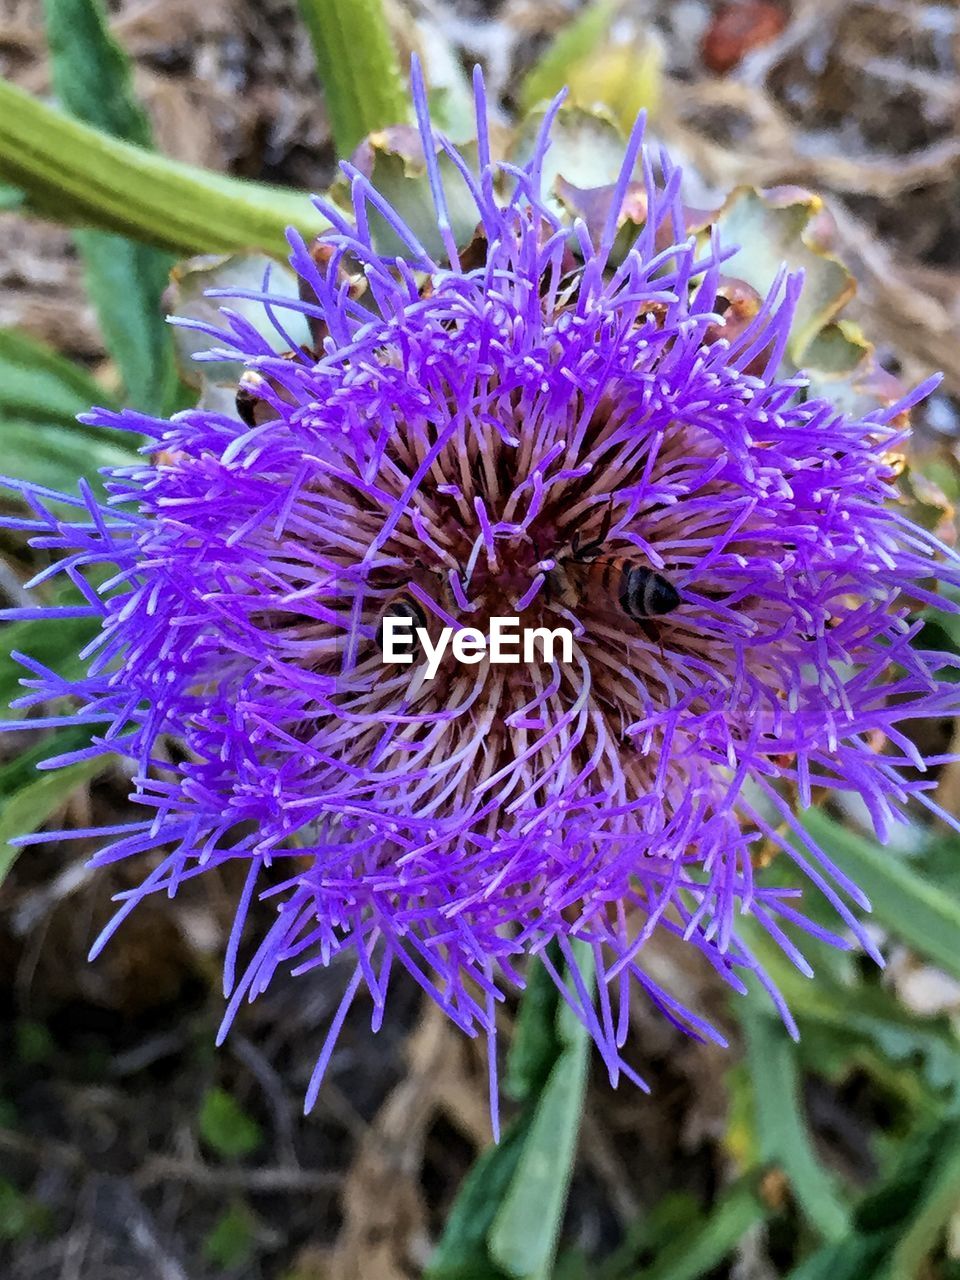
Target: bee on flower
(533, 425)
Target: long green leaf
(781, 1125)
(81, 176)
(125, 279)
(40, 439)
(535, 1044)
(91, 72)
(27, 809)
(358, 66)
(841, 1022)
(524, 1235)
(37, 385)
(506, 1220)
(55, 647)
(898, 1225)
(603, 59)
(22, 768)
(462, 1252)
(940, 1203)
(704, 1248)
(917, 911)
(57, 456)
(575, 42)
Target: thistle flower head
(533, 426)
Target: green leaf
(843, 1025)
(586, 148)
(226, 1127)
(83, 177)
(58, 456)
(941, 631)
(778, 227)
(940, 1202)
(781, 1124)
(358, 66)
(506, 1219)
(524, 1235)
(21, 769)
(40, 396)
(91, 72)
(939, 862)
(622, 74)
(920, 913)
(125, 280)
(701, 1249)
(57, 647)
(462, 1251)
(393, 161)
(37, 385)
(576, 41)
(217, 380)
(535, 1046)
(28, 808)
(229, 1245)
(898, 1225)
(674, 1216)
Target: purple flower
(530, 427)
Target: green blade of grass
(38, 385)
(898, 1224)
(41, 441)
(703, 1248)
(940, 1203)
(781, 1125)
(524, 1234)
(56, 647)
(506, 1220)
(919, 912)
(26, 809)
(57, 456)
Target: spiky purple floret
(456, 441)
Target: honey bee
(640, 592)
(252, 408)
(403, 604)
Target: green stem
(83, 177)
(358, 66)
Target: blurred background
(129, 1146)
